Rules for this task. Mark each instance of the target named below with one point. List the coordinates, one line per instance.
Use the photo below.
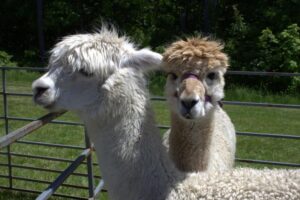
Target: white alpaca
(202, 136)
(100, 76)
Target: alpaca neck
(133, 165)
(131, 157)
(190, 141)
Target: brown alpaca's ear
(144, 59)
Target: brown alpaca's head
(195, 82)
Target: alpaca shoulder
(243, 183)
(224, 126)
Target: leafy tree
(5, 60)
(280, 52)
(257, 34)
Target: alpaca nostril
(189, 104)
(40, 90)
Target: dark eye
(85, 73)
(173, 76)
(211, 75)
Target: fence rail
(16, 136)
(63, 176)
(34, 124)
(25, 130)
(229, 72)
(47, 193)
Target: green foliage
(280, 52)
(5, 60)
(237, 32)
(156, 83)
(30, 58)
(258, 35)
(238, 28)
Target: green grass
(252, 119)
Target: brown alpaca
(202, 136)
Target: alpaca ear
(143, 59)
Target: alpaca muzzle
(207, 98)
(189, 75)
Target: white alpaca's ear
(143, 59)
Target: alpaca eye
(211, 75)
(85, 73)
(173, 76)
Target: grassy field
(252, 119)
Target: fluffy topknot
(194, 53)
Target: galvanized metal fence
(15, 136)
(272, 105)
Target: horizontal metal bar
(241, 103)
(158, 98)
(268, 162)
(4, 165)
(99, 188)
(163, 126)
(44, 170)
(51, 122)
(297, 137)
(41, 157)
(261, 104)
(38, 192)
(50, 144)
(24, 68)
(85, 175)
(16, 94)
(48, 182)
(4, 176)
(252, 73)
(272, 135)
(23, 131)
(63, 176)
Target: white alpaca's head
(195, 82)
(81, 64)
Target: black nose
(189, 104)
(40, 90)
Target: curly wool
(240, 184)
(195, 51)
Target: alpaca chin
(45, 100)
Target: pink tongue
(190, 75)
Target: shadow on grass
(12, 195)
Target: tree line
(259, 35)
